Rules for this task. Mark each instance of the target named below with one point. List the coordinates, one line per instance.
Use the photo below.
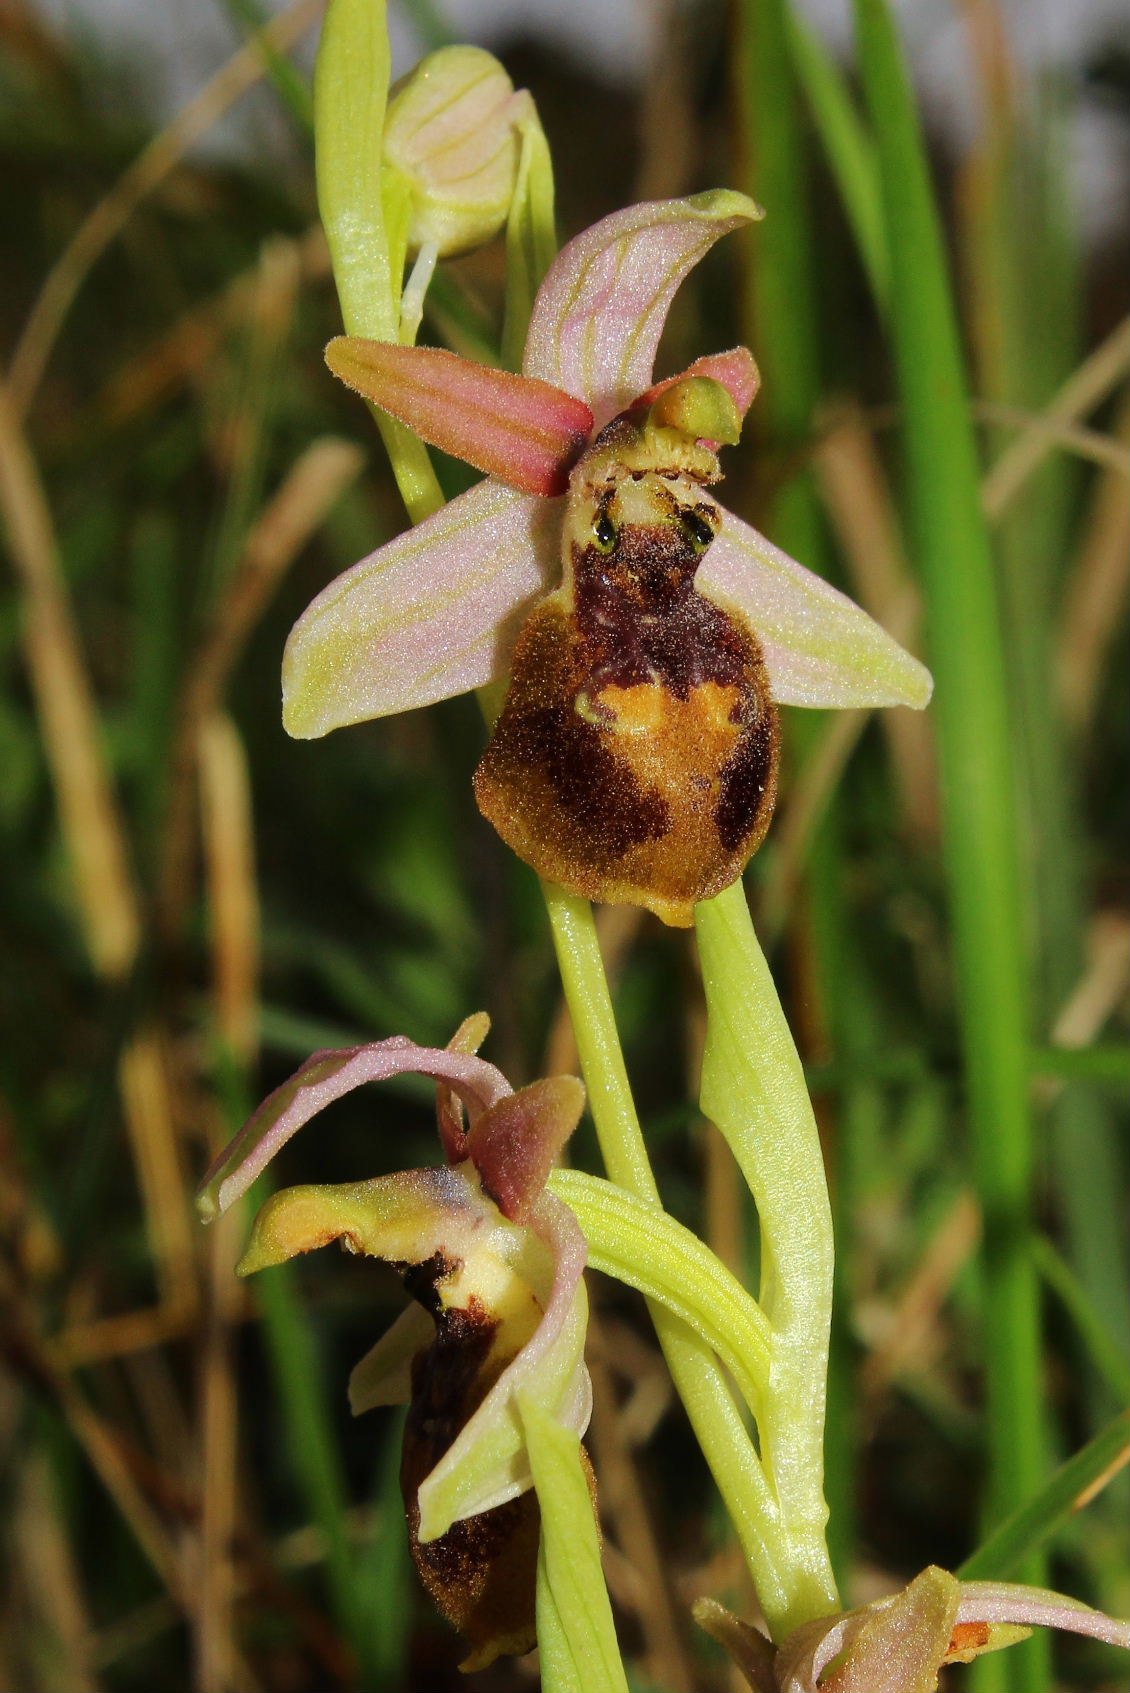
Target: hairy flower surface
(650, 634)
(899, 1645)
(494, 1264)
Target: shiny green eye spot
(605, 533)
(699, 532)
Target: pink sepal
(328, 1076)
(432, 614)
(600, 312)
(1038, 1607)
(526, 432)
(820, 648)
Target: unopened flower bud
(453, 134)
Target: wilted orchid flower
(899, 1644)
(635, 758)
(494, 1263)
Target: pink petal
(820, 648)
(550, 1365)
(1010, 1602)
(323, 1078)
(735, 370)
(432, 614)
(600, 312)
(526, 432)
(514, 1145)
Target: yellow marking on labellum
(635, 758)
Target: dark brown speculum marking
(635, 758)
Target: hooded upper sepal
(327, 1076)
(898, 1644)
(892, 1646)
(600, 312)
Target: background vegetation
(189, 903)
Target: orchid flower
(899, 1644)
(650, 633)
(494, 1263)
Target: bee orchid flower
(650, 634)
(494, 1264)
(899, 1644)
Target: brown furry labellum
(635, 759)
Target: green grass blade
(981, 836)
(292, 89)
(311, 1440)
(1109, 1359)
(849, 150)
(1031, 1527)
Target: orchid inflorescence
(632, 641)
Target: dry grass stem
(1098, 375)
(161, 1176)
(88, 813)
(1095, 602)
(184, 352)
(103, 1449)
(313, 484)
(859, 502)
(242, 71)
(1089, 444)
(912, 1330)
(58, 1629)
(1103, 1481)
(1101, 988)
(233, 896)
(102, 1338)
(93, 833)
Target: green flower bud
(453, 136)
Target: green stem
(793, 1581)
(978, 773)
(350, 95)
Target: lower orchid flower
(650, 634)
(899, 1644)
(494, 1264)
